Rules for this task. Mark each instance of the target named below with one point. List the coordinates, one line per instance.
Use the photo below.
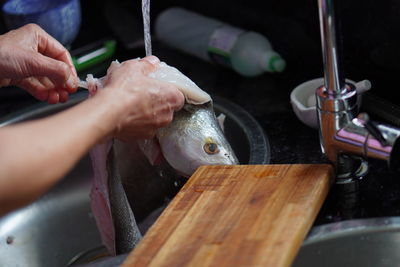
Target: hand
(146, 104)
(33, 60)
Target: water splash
(146, 26)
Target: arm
(35, 155)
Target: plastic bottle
(248, 53)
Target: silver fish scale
(194, 119)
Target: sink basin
(361, 242)
(59, 228)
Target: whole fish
(133, 175)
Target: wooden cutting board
(244, 215)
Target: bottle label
(221, 43)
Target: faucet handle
(364, 120)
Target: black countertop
(265, 97)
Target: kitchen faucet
(347, 137)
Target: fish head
(194, 138)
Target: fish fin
(152, 150)
(221, 121)
(100, 201)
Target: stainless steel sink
(59, 228)
(371, 242)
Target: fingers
(63, 96)
(49, 46)
(144, 65)
(130, 72)
(151, 64)
(29, 55)
(53, 97)
(52, 60)
(151, 59)
(56, 96)
(5, 82)
(40, 95)
(178, 101)
(58, 72)
(172, 95)
(43, 89)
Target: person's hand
(146, 104)
(33, 60)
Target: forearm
(30, 166)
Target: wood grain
(242, 215)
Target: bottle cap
(277, 64)
(273, 62)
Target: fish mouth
(230, 158)
(233, 160)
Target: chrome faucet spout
(331, 52)
(344, 133)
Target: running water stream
(146, 26)
(147, 36)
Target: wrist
(112, 104)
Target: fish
(131, 178)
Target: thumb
(57, 71)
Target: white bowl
(302, 99)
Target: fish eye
(211, 148)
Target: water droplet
(10, 240)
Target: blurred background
(370, 32)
